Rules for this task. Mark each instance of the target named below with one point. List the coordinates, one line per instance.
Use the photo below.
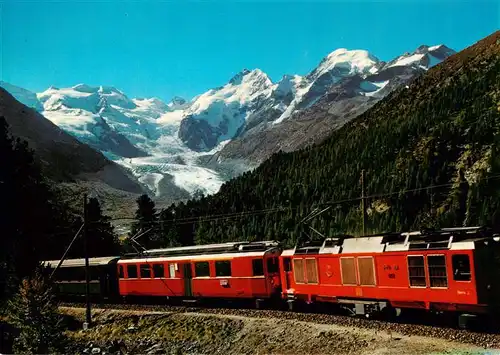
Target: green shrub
(34, 312)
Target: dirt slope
(198, 333)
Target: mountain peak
(178, 100)
(438, 46)
(441, 50)
(425, 48)
(344, 54)
(109, 90)
(423, 57)
(235, 80)
(83, 88)
(238, 78)
(347, 62)
(177, 103)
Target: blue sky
(167, 48)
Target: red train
(448, 270)
(230, 270)
(452, 270)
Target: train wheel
(292, 306)
(389, 313)
(259, 303)
(467, 321)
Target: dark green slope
(442, 130)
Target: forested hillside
(439, 137)
(36, 222)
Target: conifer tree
(146, 218)
(25, 209)
(33, 227)
(100, 233)
(34, 312)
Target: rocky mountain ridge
(330, 102)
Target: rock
(115, 347)
(155, 349)
(96, 350)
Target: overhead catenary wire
(231, 215)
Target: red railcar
(455, 269)
(230, 270)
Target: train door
(188, 276)
(287, 268)
(484, 269)
(272, 273)
(104, 281)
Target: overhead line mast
(363, 201)
(88, 316)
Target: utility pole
(432, 199)
(86, 325)
(363, 202)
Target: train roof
(462, 238)
(101, 261)
(221, 248)
(195, 257)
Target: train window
(287, 265)
(73, 274)
(223, 268)
(348, 270)
(158, 270)
(366, 271)
(145, 271)
(416, 271)
(201, 269)
(258, 267)
(62, 275)
(437, 270)
(120, 269)
(312, 271)
(461, 267)
(132, 271)
(171, 269)
(298, 270)
(272, 265)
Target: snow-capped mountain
(140, 134)
(250, 100)
(344, 85)
(104, 117)
(168, 146)
(218, 114)
(24, 96)
(424, 57)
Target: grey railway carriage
(70, 277)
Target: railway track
(487, 338)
